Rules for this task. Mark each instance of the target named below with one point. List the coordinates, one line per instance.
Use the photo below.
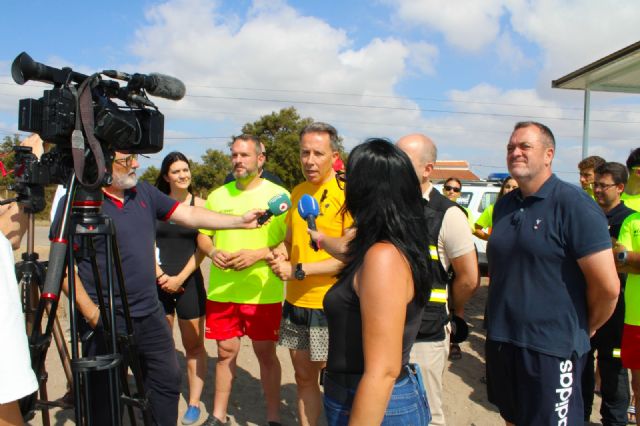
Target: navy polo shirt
(537, 297)
(135, 222)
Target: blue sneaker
(191, 416)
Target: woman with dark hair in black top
(179, 279)
(375, 309)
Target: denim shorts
(408, 405)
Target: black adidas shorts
(531, 388)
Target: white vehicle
(477, 196)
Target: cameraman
(18, 379)
(134, 208)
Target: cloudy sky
(462, 72)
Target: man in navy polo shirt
(553, 284)
(134, 208)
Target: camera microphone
(308, 209)
(163, 86)
(160, 85)
(277, 206)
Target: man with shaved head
(452, 250)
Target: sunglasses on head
(451, 188)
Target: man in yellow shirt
(309, 273)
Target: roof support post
(585, 123)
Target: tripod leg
(63, 351)
(129, 341)
(46, 421)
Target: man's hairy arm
(200, 217)
(466, 280)
(603, 287)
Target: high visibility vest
(436, 315)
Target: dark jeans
(160, 371)
(614, 389)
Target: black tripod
(30, 273)
(81, 222)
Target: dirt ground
(465, 397)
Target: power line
(363, 95)
(433, 110)
(438, 128)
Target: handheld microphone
(308, 209)
(155, 84)
(277, 205)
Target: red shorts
(630, 348)
(225, 320)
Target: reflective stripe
(438, 296)
(433, 251)
(616, 352)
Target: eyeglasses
(603, 186)
(341, 179)
(128, 160)
(452, 188)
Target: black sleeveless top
(176, 244)
(342, 308)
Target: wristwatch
(299, 273)
(621, 257)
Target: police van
(476, 196)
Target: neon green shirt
(631, 201)
(486, 218)
(256, 284)
(470, 219)
(629, 237)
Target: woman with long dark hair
(179, 279)
(375, 308)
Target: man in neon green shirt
(244, 295)
(627, 255)
(631, 194)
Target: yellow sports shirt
(310, 292)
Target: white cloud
(276, 54)
(510, 54)
(572, 33)
(423, 57)
(481, 132)
(469, 25)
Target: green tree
(211, 173)
(150, 175)
(7, 157)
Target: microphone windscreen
(166, 87)
(308, 206)
(279, 204)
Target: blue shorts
(532, 388)
(408, 405)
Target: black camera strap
(84, 105)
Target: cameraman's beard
(124, 181)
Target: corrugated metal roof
(617, 72)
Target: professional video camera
(81, 106)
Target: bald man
(455, 252)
